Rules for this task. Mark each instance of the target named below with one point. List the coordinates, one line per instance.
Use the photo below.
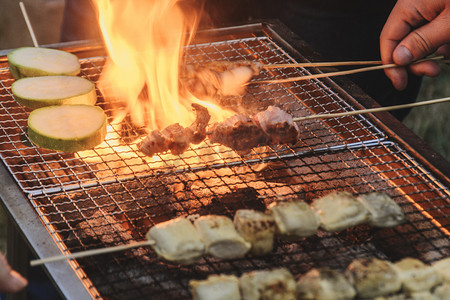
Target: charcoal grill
(112, 195)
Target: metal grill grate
(110, 197)
(38, 169)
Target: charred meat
(278, 125)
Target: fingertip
(398, 77)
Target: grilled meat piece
(197, 130)
(216, 287)
(278, 125)
(175, 137)
(257, 228)
(294, 218)
(383, 211)
(416, 276)
(324, 284)
(217, 79)
(220, 237)
(373, 277)
(239, 133)
(443, 268)
(277, 284)
(177, 240)
(339, 210)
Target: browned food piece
(238, 132)
(278, 125)
(217, 79)
(197, 130)
(175, 138)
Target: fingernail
(402, 55)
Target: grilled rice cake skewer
(383, 211)
(324, 284)
(216, 287)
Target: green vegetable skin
(33, 62)
(36, 92)
(67, 128)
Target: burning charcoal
(416, 276)
(383, 211)
(339, 210)
(294, 218)
(177, 240)
(274, 284)
(217, 79)
(238, 132)
(216, 287)
(278, 125)
(220, 237)
(257, 228)
(373, 277)
(197, 130)
(324, 284)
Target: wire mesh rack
(110, 196)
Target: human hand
(415, 29)
(10, 280)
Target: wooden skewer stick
(323, 64)
(92, 252)
(27, 21)
(339, 73)
(372, 110)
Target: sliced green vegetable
(35, 92)
(68, 128)
(33, 61)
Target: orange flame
(144, 41)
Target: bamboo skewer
(339, 73)
(27, 21)
(323, 64)
(92, 252)
(372, 110)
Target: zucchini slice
(35, 92)
(33, 61)
(68, 128)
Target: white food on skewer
(416, 276)
(383, 211)
(442, 292)
(294, 218)
(373, 277)
(339, 210)
(443, 268)
(324, 284)
(257, 228)
(177, 240)
(216, 287)
(277, 284)
(220, 237)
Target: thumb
(423, 40)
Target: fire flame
(144, 41)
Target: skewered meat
(175, 137)
(442, 292)
(339, 210)
(257, 228)
(383, 211)
(239, 132)
(324, 284)
(443, 268)
(220, 237)
(373, 277)
(218, 78)
(277, 284)
(216, 287)
(278, 125)
(177, 240)
(415, 275)
(294, 218)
